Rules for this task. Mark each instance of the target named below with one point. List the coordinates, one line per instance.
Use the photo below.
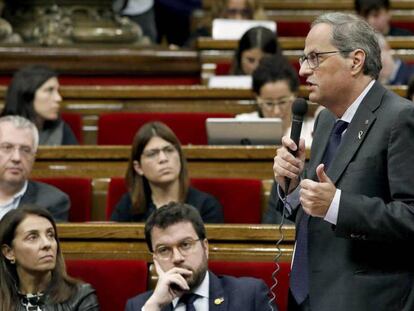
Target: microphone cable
(279, 251)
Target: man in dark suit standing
(354, 209)
(176, 236)
(19, 140)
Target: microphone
(299, 109)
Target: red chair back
(260, 270)
(115, 281)
(120, 128)
(79, 190)
(116, 188)
(74, 120)
(240, 198)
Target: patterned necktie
(299, 276)
(188, 299)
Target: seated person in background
(253, 45)
(18, 145)
(34, 94)
(157, 174)
(275, 83)
(394, 71)
(227, 9)
(377, 14)
(32, 269)
(237, 9)
(410, 89)
(176, 237)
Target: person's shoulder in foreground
(228, 292)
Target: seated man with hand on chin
(176, 236)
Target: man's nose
(16, 156)
(177, 256)
(304, 69)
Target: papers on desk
(233, 82)
(233, 29)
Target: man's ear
(205, 245)
(137, 168)
(358, 60)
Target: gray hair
(350, 32)
(23, 123)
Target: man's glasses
(24, 151)
(185, 247)
(313, 58)
(271, 104)
(155, 153)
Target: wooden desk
(317, 4)
(126, 241)
(290, 43)
(107, 161)
(102, 162)
(150, 63)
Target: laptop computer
(231, 131)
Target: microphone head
(299, 107)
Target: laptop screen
(230, 131)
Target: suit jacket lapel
(357, 130)
(29, 194)
(218, 301)
(352, 139)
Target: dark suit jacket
(247, 294)
(49, 197)
(209, 207)
(404, 73)
(365, 262)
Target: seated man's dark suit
(239, 294)
(49, 197)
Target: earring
(13, 261)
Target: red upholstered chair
(261, 270)
(74, 120)
(79, 190)
(116, 188)
(240, 198)
(115, 281)
(120, 128)
(293, 28)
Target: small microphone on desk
(299, 109)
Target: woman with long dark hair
(33, 94)
(157, 174)
(32, 269)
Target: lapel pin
(360, 134)
(366, 122)
(218, 301)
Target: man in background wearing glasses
(354, 206)
(19, 140)
(176, 237)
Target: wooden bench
(106, 64)
(100, 163)
(127, 241)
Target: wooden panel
(108, 161)
(291, 43)
(126, 241)
(109, 60)
(317, 4)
